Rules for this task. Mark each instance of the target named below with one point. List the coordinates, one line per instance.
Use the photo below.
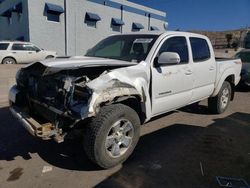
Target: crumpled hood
(82, 61)
(69, 63)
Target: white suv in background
(12, 52)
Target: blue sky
(213, 15)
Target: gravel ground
(185, 148)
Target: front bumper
(44, 131)
(23, 120)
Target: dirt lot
(169, 154)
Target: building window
(91, 19)
(7, 14)
(154, 28)
(53, 12)
(116, 24)
(137, 26)
(18, 8)
(53, 17)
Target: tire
(8, 60)
(106, 142)
(219, 103)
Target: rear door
(204, 68)
(34, 53)
(172, 84)
(24, 52)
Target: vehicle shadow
(196, 108)
(242, 88)
(175, 156)
(170, 157)
(16, 141)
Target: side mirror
(38, 51)
(169, 58)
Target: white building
(70, 27)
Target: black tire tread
(92, 130)
(214, 102)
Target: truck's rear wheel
(219, 103)
(112, 135)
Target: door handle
(188, 72)
(14, 52)
(211, 68)
(30, 52)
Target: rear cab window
(4, 46)
(200, 49)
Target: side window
(200, 49)
(24, 47)
(18, 47)
(177, 45)
(4, 46)
(30, 47)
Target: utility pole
(65, 28)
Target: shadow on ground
(242, 88)
(170, 157)
(16, 141)
(173, 156)
(196, 108)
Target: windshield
(132, 48)
(244, 56)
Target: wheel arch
(133, 101)
(8, 57)
(228, 75)
(231, 80)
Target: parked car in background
(12, 52)
(244, 55)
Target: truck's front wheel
(112, 135)
(219, 103)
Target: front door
(172, 84)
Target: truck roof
(165, 33)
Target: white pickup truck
(120, 84)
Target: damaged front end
(50, 105)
